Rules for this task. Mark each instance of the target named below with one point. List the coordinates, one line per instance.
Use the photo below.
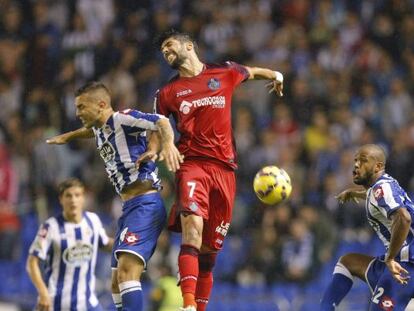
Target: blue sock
(131, 294)
(117, 301)
(339, 287)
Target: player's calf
(129, 272)
(116, 295)
(206, 263)
(338, 288)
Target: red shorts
(207, 189)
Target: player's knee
(351, 263)
(130, 267)
(346, 260)
(207, 261)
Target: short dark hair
(173, 33)
(69, 183)
(91, 86)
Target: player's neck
(73, 218)
(374, 179)
(191, 68)
(106, 114)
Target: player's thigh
(221, 210)
(114, 281)
(388, 293)
(130, 266)
(193, 188)
(139, 229)
(357, 264)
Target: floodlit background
(349, 70)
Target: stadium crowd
(349, 76)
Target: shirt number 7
(192, 185)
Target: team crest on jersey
(78, 254)
(213, 84)
(193, 206)
(378, 193)
(387, 304)
(107, 152)
(107, 130)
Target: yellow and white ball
(272, 185)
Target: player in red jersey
(199, 99)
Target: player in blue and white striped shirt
(389, 211)
(69, 244)
(122, 144)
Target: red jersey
(201, 107)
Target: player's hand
(172, 157)
(398, 273)
(275, 86)
(58, 140)
(345, 196)
(43, 302)
(146, 157)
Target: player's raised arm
(351, 194)
(276, 84)
(169, 151)
(64, 138)
(33, 270)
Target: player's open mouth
(355, 173)
(170, 57)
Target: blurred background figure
(348, 81)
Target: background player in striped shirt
(69, 244)
(121, 141)
(199, 99)
(389, 212)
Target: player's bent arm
(154, 142)
(64, 138)
(169, 152)
(165, 131)
(258, 73)
(33, 270)
(351, 194)
(400, 226)
(359, 193)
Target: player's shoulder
(222, 65)
(127, 111)
(51, 221)
(92, 216)
(385, 184)
(169, 83)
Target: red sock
(205, 280)
(204, 286)
(188, 267)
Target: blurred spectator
(348, 81)
(9, 222)
(165, 295)
(298, 252)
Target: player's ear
(189, 46)
(379, 166)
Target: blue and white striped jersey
(70, 251)
(383, 198)
(121, 141)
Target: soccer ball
(272, 185)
